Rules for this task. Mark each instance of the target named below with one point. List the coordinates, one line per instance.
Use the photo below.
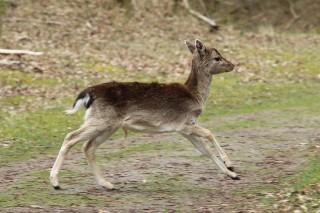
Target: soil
(187, 182)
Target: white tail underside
(78, 105)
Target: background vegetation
(266, 112)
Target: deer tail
(83, 99)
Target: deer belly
(136, 127)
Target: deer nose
(231, 67)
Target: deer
(151, 108)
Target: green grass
(34, 133)
(17, 78)
(304, 184)
(228, 97)
(258, 193)
(309, 176)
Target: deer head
(208, 60)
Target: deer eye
(217, 58)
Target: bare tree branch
(295, 17)
(209, 21)
(292, 10)
(204, 7)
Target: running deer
(149, 107)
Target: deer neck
(199, 84)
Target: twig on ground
(19, 52)
(9, 62)
(35, 21)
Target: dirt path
(173, 177)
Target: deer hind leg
(196, 135)
(89, 149)
(84, 133)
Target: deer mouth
(231, 68)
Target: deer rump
(145, 107)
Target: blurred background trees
(286, 14)
(301, 15)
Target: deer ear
(200, 47)
(190, 46)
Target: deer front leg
(195, 141)
(196, 134)
(222, 154)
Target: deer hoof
(106, 185)
(231, 168)
(57, 187)
(235, 178)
